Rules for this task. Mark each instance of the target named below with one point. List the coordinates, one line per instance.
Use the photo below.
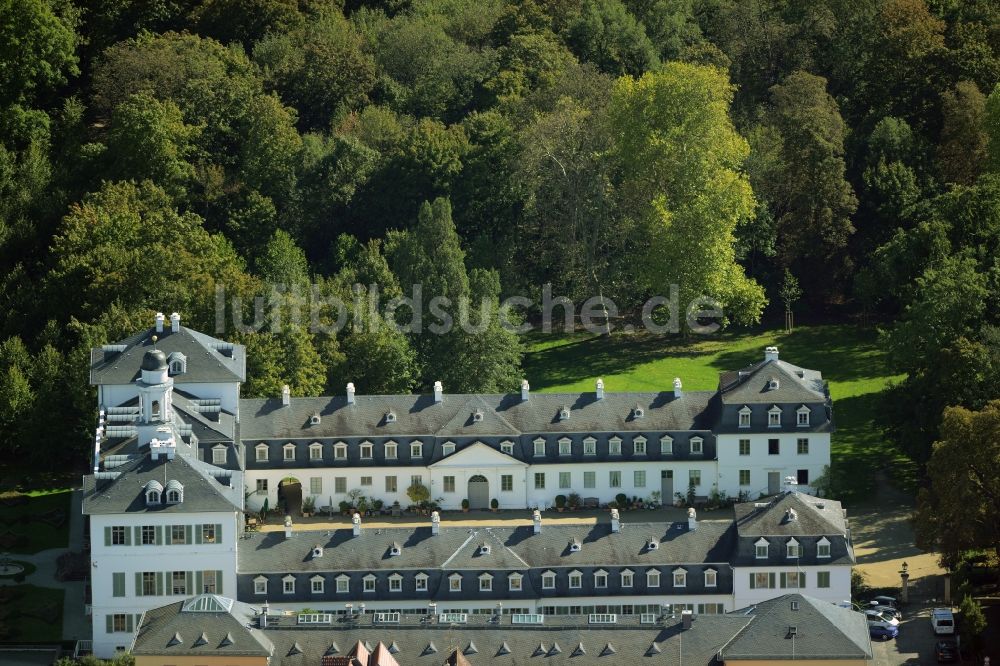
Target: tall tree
(962, 149)
(606, 35)
(38, 43)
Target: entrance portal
(773, 483)
(667, 486)
(479, 492)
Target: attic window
(484, 549)
(314, 419)
(177, 363)
(507, 447)
(760, 549)
(774, 417)
(175, 492)
(395, 549)
(575, 546)
(745, 417)
(802, 416)
(772, 384)
(638, 412)
(477, 416)
(793, 548)
(153, 491)
(317, 551)
(652, 543)
(564, 413)
(823, 548)
(390, 417)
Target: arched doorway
(479, 492)
(289, 496)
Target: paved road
(915, 644)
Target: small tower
(155, 388)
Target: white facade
(766, 471)
(752, 585)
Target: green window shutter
(129, 622)
(187, 534)
(138, 583)
(802, 579)
(128, 537)
(107, 536)
(189, 582)
(118, 584)
(197, 582)
(770, 580)
(138, 535)
(218, 582)
(753, 582)
(109, 623)
(197, 534)
(783, 580)
(218, 533)
(159, 535)
(159, 583)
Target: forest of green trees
(154, 150)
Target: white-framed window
(288, 451)
(119, 623)
(420, 582)
(639, 446)
(368, 583)
(515, 582)
(744, 447)
(288, 584)
(178, 582)
(506, 483)
(262, 486)
(802, 416)
(745, 417)
(548, 580)
(589, 446)
(317, 584)
(447, 448)
(315, 451)
(792, 580)
(615, 446)
(340, 451)
(600, 578)
(395, 583)
(208, 534)
(696, 445)
(416, 480)
(575, 580)
(639, 478)
(666, 445)
(539, 480)
(694, 477)
(148, 534)
(539, 447)
(590, 479)
(260, 585)
(449, 484)
(802, 446)
(822, 579)
(823, 547)
(507, 448)
(680, 578)
(615, 478)
(792, 548)
(762, 580)
(118, 535)
(219, 454)
(261, 452)
(761, 548)
(744, 477)
(653, 578)
(366, 481)
(485, 583)
(565, 446)
(774, 417)
(711, 578)
(343, 584)
(315, 485)
(627, 577)
(390, 484)
(367, 450)
(416, 449)
(340, 485)
(455, 582)
(565, 480)
(391, 449)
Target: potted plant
(655, 497)
(573, 501)
(378, 504)
(363, 505)
(621, 500)
(465, 506)
(560, 503)
(494, 504)
(345, 508)
(308, 507)
(418, 494)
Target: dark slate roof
(208, 426)
(822, 631)
(814, 516)
(225, 633)
(205, 361)
(503, 414)
(203, 492)
(515, 548)
(750, 385)
(483, 640)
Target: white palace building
(181, 460)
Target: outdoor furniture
(252, 525)
(591, 502)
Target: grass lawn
(849, 358)
(21, 520)
(32, 614)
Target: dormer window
(696, 445)
(395, 583)
(340, 451)
(177, 363)
(823, 547)
(175, 492)
(539, 447)
(477, 416)
(455, 582)
(793, 549)
(548, 580)
(802, 416)
(395, 549)
(484, 549)
(680, 578)
(639, 446)
(653, 578)
(774, 417)
(666, 445)
(288, 451)
(314, 419)
(638, 412)
(564, 413)
(565, 446)
(507, 448)
(153, 497)
(652, 543)
(615, 446)
(575, 580)
(416, 450)
(261, 451)
(317, 551)
(575, 546)
(600, 578)
(589, 446)
(761, 548)
(288, 584)
(745, 417)
(390, 417)
(447, 448)
(627, 576)
(772, 384)
(711, 578)
(154, 493)
(485, 583)
(315, 451)
(515, 582)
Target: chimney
(770, 353)
(356, 524)
(600, 389)
(175, 322)
(350, 393)
(536, 518)
(286, 395)
(677, 387)
(438, 392)
(524, 390)
(263, 615)
(616, 525)
(288, 527)
(435, 522)
(159, 322)
(687, 617)
(692, 519)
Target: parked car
(942, 621)
(891, 611)
(877, 619)
(883, 600)
(946, 652)
(883, 633)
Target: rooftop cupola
(154, 367)
(770, 353)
